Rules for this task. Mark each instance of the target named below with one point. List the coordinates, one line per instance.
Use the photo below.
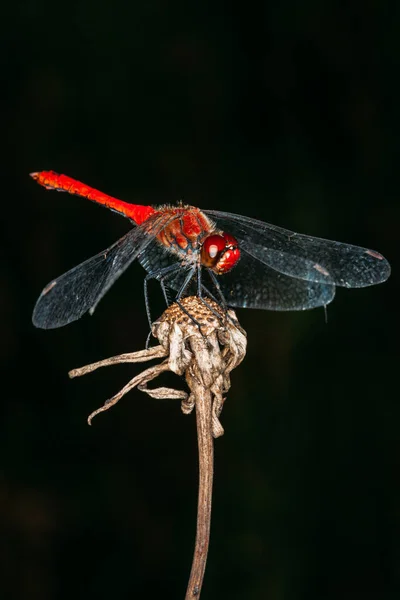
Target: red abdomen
(62, 183)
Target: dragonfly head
(220, 252)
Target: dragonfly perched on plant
(240, 261)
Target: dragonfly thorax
(192, 236)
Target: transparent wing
(253, 284)
(302, 256)
(70, 296)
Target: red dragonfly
(247, 263)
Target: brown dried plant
(204, 343)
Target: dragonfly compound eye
(220, 252)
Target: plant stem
(206, 470)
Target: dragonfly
(241, 261)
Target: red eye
(220, 253)
(212, 247)
(229, 257)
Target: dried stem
(206, 357)
(203, 402)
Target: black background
(287, 112)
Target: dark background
(287, 112)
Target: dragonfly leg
(191, 317)
(166, 273)
(221, 295)
(203, 300)
(218, 288)
(164, 291)
(160, 275)
(210, 308)
(201, 287)
(147, 304)
(184, 286)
